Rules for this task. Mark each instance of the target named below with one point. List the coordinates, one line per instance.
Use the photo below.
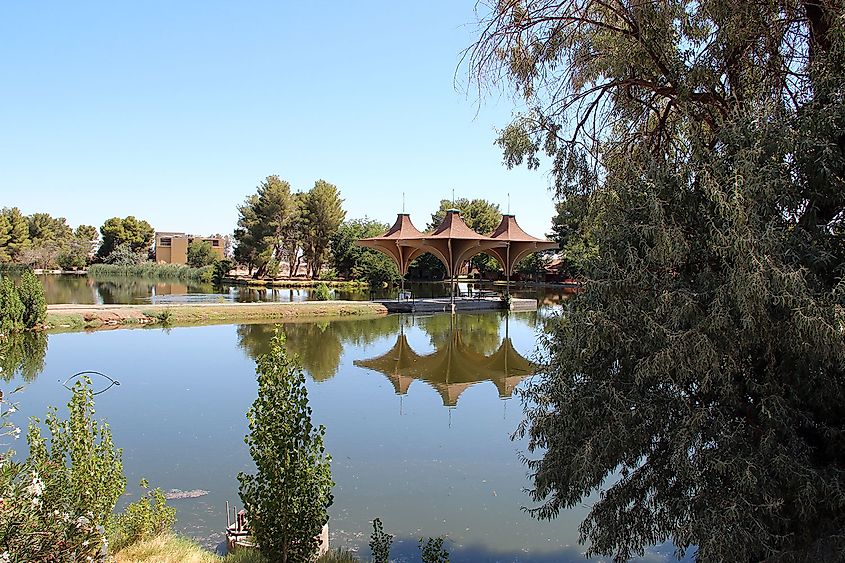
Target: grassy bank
(151, 270)
(169, 548)
(65, 318)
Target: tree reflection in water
(22, 354)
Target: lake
(418, 411)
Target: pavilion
(454, 243)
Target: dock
(461, 305)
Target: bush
(53, 511)
(11, 307)
(31, 294)
(123, 255)
(432, 551)
(322, 292)
(286, 500)
(380, 543)
(141, 520)
(221, 270)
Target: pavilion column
(508, 269)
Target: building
(172, 248)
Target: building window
(165, 241)
(215, 242)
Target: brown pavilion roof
(518, 243)
(392, 242)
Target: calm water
(114, 290)
(418, 414)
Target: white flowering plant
(54, 506)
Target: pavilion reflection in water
(452, 368)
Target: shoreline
(72, 317)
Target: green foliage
(57, 502)
(380, 543)
(267, 220)
(322, 215)
(201, 253)
(5, 235)
(432, 551)
(572, 229)
(221, 270)
(135, 233)
(11, 307)
(94, 479)
(164, 317)
(22, 354)
(31, 293)
(146, 518)
(286, 500)
(701, 369)
(123, 255)
(355, 262)
(337, 556)
(322, 292)
(36, 528)
(17, 233)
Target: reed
(151, 270)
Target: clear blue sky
(174, 111)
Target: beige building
(172, 248)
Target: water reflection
(22, 355)
(457, 363)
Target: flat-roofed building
(172, 248)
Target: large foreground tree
(699, 378)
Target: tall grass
(151, 270)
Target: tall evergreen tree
(699, 378)
(5, 235)
(322, 214)
(18, 233)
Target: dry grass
(169, 548)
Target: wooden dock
(461, 305)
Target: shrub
(141, 520)
(221, 270)
(123, 255)
(322, 292)
(31, 293)
(380, 543)
(95, 476)
(286, 500)
(164, 317)
(432, 551)
(53, 511)
(11, 307)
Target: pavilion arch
(454, 243)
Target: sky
(175, 111)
